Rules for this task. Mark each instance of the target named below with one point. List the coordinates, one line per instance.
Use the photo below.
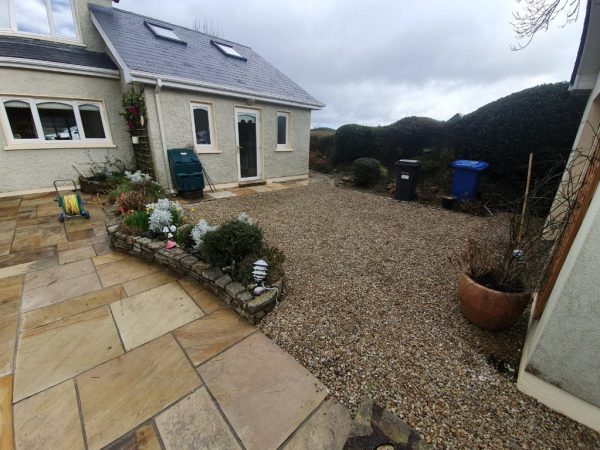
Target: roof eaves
(183, 83)
(112, 51)
(584, 32)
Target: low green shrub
(136, 222)
(274, 258)
(231, 243)
(366, 171)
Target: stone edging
(251, 308)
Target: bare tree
(206, 26)
(536, 16)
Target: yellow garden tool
(70, 203)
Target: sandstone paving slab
(110, 256)
(9, 318)
(220, 194)
(142, 438)
(6, 413)
(10, 299)
(206, 300)
(76, 254)
(264, 393)
(60, 290)
(27, 267)
(149, 282)
(71, 307)
(37, 236)
(195, 423)
(150, 314)
(67, 245)
(213, 333)
(52, 353)
(328, 428)
(122, 393)
(102, 247)
(47, 277)
(124, 270)
(74, 236)
(49, 420)
(38, 254)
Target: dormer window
(228, 50)
(52, 18)
(164, 32)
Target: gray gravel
(371, 310)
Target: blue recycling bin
(465, 178)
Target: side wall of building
(25, 169)
(561, 362)
(222, 167)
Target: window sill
(44, 37)
(207, 151)
(61, 146)
(284, 149)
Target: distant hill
(322, 131)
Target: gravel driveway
(371, 310)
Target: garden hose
(71, 204)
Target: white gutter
(191, 85)
(161, 129)
(50, 66)
(112, 52)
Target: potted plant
(491, 289)
(103, 176)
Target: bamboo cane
(524, 210)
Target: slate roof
(198, 61)
(25, 48)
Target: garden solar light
(259, 270)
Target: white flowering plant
(245, 218)
(137, 176)
(199, 231)
(164, 213)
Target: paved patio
(98, 349)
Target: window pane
(32, 16)
(201, 126)
(58, 121)
(281, 130)
(20, 119)
(64, 24)
(91, 120)
(4, 14)
(164, 32)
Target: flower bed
(221, 258)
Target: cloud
(376, 62)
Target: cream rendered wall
(561, 362)
(89, 35)
(223, 167)
(36, 169)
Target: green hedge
(366, 171)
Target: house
(65, 65)
(560, 365)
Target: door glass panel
(247, 139)
(4, 14)
(64, 24)
(20, 119)
(91, 120)
(58, 121)
(32, 16)
(201, 126)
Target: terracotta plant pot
(489, 309)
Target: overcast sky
(378, 61)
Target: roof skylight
(163, 32)
(228, 50)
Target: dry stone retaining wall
(250, 307)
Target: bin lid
(183, 155)
(467, 164)
(408, 163)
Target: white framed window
(283, 130)
(163, 32)
(49, 18)
(54, 123)
(203, 127)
